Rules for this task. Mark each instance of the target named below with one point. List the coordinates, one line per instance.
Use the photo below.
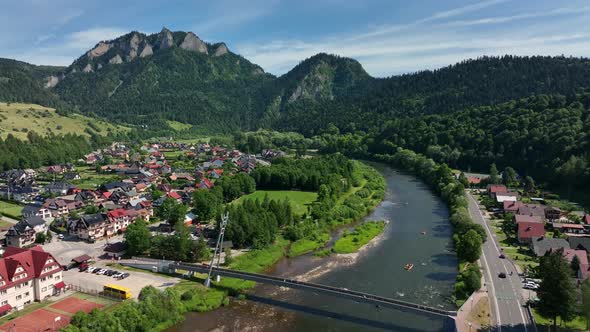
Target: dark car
(83, 267)
(502, 256)
(124, 275)
(502, 275)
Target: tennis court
(38, 320)
(73, 304)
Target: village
(76, 213)
(529, 227)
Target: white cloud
(426, 44)
(85, 39)
(505, 19)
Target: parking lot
(136, 280)
(70, 247)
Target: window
(27, 294)
(57, 277)
(3, 292)
(44, 289)
(18, 286)
(26, 283)
(18, 297)
(5, 302)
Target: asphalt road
(506, 300)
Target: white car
(102, 271)
(91, 269)
(530, 285)
(60, 236)
(117, 275)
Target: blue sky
(388, 37)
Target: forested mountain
(527, 112)
(484, 81)
(23, 82)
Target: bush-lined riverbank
(353, 241)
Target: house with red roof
(584, 271)
(204, 184)
(27, 275)
(175, 195)
(494, 189)
(512, 206)
(528, 227)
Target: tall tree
(494, 178)
(137, 236)
(509, 176)
(469, 246)
(529, 184)
(557, 296)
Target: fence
(90, 291)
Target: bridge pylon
(218, 249)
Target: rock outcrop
(99, 67)
(100, 49)
(133, 47)
(193, 43)
(147, 51)
(51, 81)
(165, 39)
(116, 60)
(88, 68)
(220, 50)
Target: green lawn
(351, 242)
(179, 126)
(11, 210)
(577, 325)
(300, 200)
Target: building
(92, 226)
(24, 232)
(58, 188)
(569, 228)
(116, 250)
(541, 245)
(506, 197)
(553, 213)
(27, 275)
(536, 210)
(494, 189)
(528, 227)
(569, 254)
(579, 242)
(512, 206)
(31, 210)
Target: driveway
(506, 299)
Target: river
(411, 208)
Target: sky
(388, 37)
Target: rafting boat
(408, 267)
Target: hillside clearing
(18, 119)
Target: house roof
(174, 195)
(566, 225)
(586, 219)
(81, 258)
(518, 218)
(530, 229)
(512, 206)
(497, 188)
(532, 210)
(91, 219)
(543, 244)
(569, 254)
(579, 242)
(32, 261)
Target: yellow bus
(117, 291)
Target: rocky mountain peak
(193, 43)
(221, 50)
(98, 50)
(165, 38)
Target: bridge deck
(321, 289)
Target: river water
(410, 208)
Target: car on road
(502, 256)
(60, 236)
(502, 275)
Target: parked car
(60, 236)
(502, 275)
(531, 285)
(83, 267)
(92, 269)
(117, 275)
(102, 271)
(124, 275)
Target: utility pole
(218, 247)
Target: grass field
(90, 179)
(18, 118)
(299, 199)
(178, 126)
(576, 325)
(351, 242)
(11, 210)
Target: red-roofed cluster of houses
(27, 275)
(532, 221)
